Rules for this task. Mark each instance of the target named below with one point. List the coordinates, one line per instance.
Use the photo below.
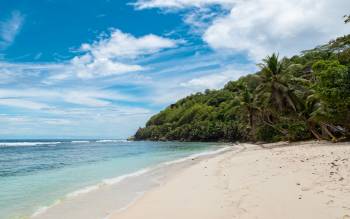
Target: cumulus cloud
(260, 27)
(120, 44)
(10, 28)
(113, 54)
(88, 66)
(77, 93)
(107, 56)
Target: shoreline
(73, 204)
(280, 180)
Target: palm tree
(274, 97)
(274, 85)
(246, 105)
(317, 119)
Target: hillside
(302, 97)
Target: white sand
(301, 181)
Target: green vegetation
(347, 18)
(302, 97)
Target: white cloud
(213, 81)
(107, 56)
(55, 116)
(200, 19)
(10, 28)
(56, 122)
(83, 97)
(120, 44)
(22, 73)
(177, 4)
(260, 27)
(87, 66)
(59, 97)
(165, 93)
(27, 93)
(21, 103)
(114, 54)
(4, 118)
(92, 98)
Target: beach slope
(301, 180)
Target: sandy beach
(300, 180)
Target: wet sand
(113, 195)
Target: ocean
(37, 174)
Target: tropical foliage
(302, 97)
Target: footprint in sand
(330, 202)
(305, 189)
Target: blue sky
(101, 68)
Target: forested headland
(306, 96)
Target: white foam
(83, 191)
(43, 209)
(13, 144)
(116, 180)
(110, 181)
(111, 140)
(207, 153)
(78, 142)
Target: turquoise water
(34, 174)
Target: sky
(101, 68)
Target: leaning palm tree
(317, 119)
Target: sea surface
(35, 174)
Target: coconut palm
(274, 97)
(274, 85)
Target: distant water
(37, 173)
